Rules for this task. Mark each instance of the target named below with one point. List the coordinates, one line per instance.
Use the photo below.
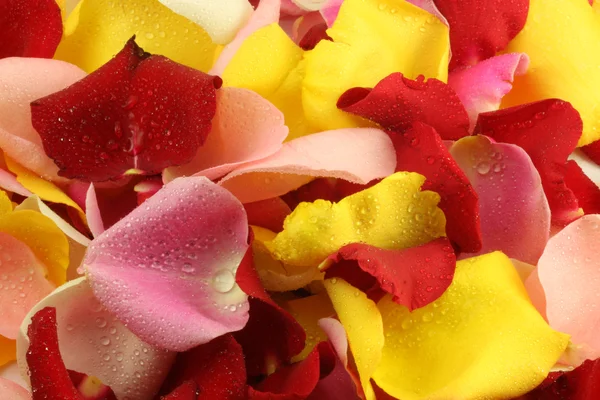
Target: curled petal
(188, 254)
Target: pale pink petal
(22, 283)
(357, 155)
(23, 80)
(330, 11)
(267, 13)
(92, 212)
(290, 9)
(514, 211)
(167, 269)
(337, 336)
(94, 342)
(431, 8)
(11, 391)
(11, 372)
(482, 86)
(311, 5)
(9, 183)
(245, 128)
(569, 273)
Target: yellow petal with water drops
(384, 215)
(43, 237)
(363, 324)
(308, 311)
(561, 40)
(6, 205)
(482, 339)
(371, 39)
(98, 29)
(8, 350)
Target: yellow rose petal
(8, 350)
(6, 206)
(98, 29)
(561, 40)
(482, 339)
(371, 39)
(393, 214)
(362, 321)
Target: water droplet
(149, 35)
(223, 281)
(483, 168)
(100, 322)
(105, 341)
(188, 268)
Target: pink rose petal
(22, 281)
(92, 212)
(358, 155)
(94, 342)
(11, 391)
(330, 11)
(245, 128)
(267, 13)
(514, 211)
(569, 273)
(482, 86)
(337, 336)
(9, 183)
(24, 80)
(167, 269)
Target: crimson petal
(480, 28)
(187, 391)
(592, 150)
(29, 28)
(548, 131)
(137, 112)
(586, 191)
(314, 35)
(396, 102)
(583, 383)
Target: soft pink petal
(11, 372)
(267, 13)
(290, 9)
(514, 211)
(337, 336)
(431, 8)
(481, 87)
(246, 128)
(94, 342)
(23, 80)
(167, 269)
(11, 391)
(330, 11)
(357, 155)
(9, 183)
(569, 273)
(22, 283)
(92, 212)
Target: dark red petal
(272, 336)
(548, 131)
(101, 392)
(314, 36)
(29, 28)
(336, 382)
(268, 213)
(216, 368)
(592, 150)
(187, 391)
(49, 376)
(415, 276)
(480, 28)
(137, 112)
(116, 201)
(583, 383)
(586, 191)
(396, 102)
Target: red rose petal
(49, 376)
(187, 391)
(592, 150)
(29, 28)
(336, 382)
(583, 383)
(586, 191)
(138, 111)
(268, 213)
(314, 35)
(396, 102)
(415, 276)
(548, 131)
(480, 28)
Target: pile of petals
(299, 199)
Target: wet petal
(481, 87)
(269, 213)
(579, 384)
(592, 150)
(586, 191)
(356, 155)
(201, 298)
(93, 342)
(245, 128)
(337, 384)
(11, 391)
(514, 211)
(481, 339)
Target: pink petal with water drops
(482, 86)
(267, 13)
(24, 80)
(94, 342)
(22, 283)
(514, 211)
(569, 274)
(357, 155)
(167, 270)
(245, 128)
(11, 391)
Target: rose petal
(330, 11)
(114, 201)
(479, 29)
(514, 211)
(128, 129)
(337, 384)
(187, 391)
(11, 391)
(592, 150)
(360, 155)
(268, 213)
(24, 80)
(481, 87)
(30, 29)
(92, 212)
(590, 167)
(201, 300)
(586, 191)
(579, 384)
(548, 131)
(313, 36)
(9, 182)
(245, 128)
(337, 337)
